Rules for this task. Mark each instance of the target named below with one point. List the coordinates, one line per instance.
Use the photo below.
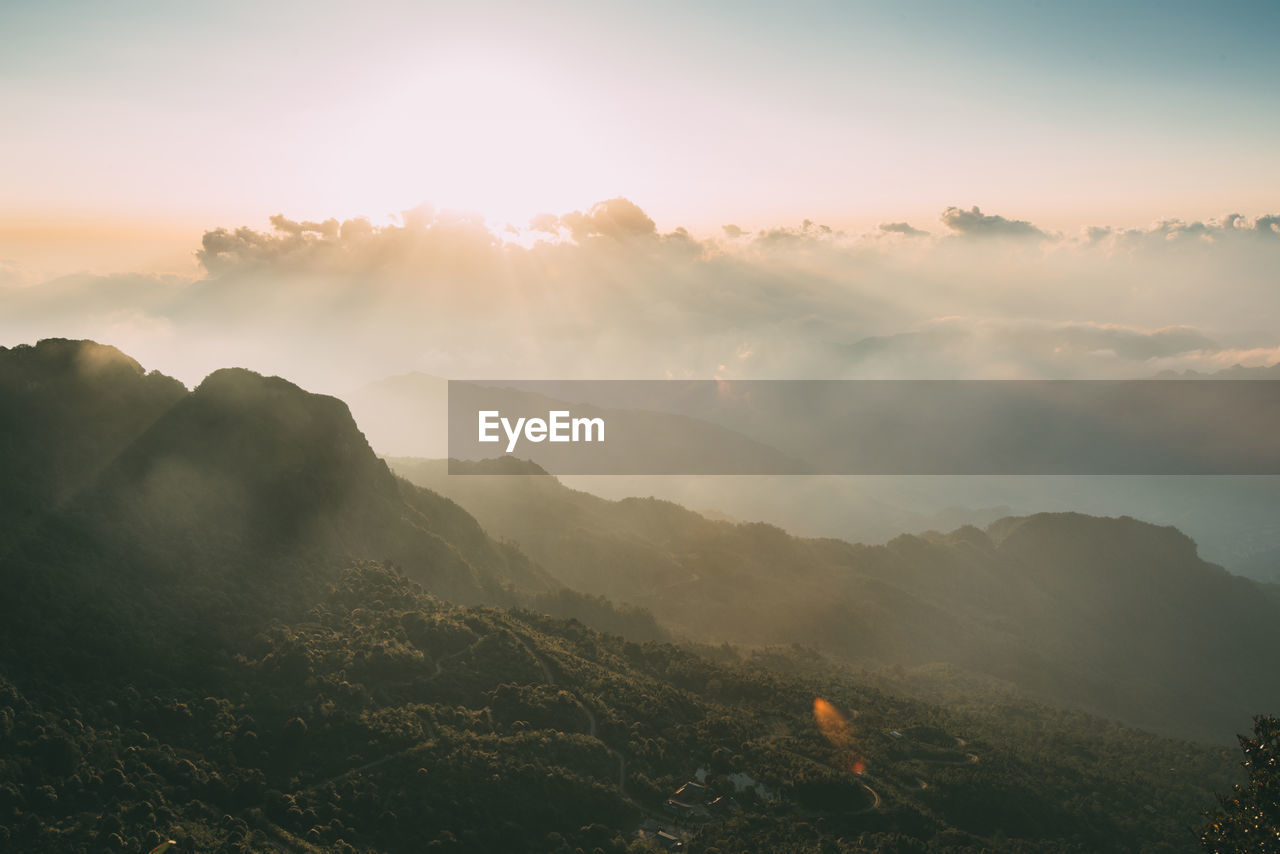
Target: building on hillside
(723, 805)
(668, 841)
(688, 801)
(690, 793)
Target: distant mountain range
(1234, 520)
(1113, 615)
(1235, 372)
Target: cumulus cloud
(425, 237)
(808, 234)
(974, 223)
(618, 218)
(1268, 225)
(733, 232)
(1164, 233)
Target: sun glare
(488, 135)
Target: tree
(1248, 820)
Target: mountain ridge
(1113, 615)
(192, 648)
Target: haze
(247, 607)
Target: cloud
(547, 223)
(426, 240)
(903, 228)
(617, 218)
(419, 218)
(1173, 232)
(1268, 225)
(606, 294)
(220, 247)
(974, 223)
(808, 234)
(733, 232)
(328, 228)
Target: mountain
(69, 407)
(243, 471)
(1116, 616)
(1232, 519)
(194, 646)
(251, 462)
(242, 463)
(1235, 372)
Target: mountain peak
(1093, 529)
(68, 355)
(69, 408)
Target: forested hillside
(356, 712)
(1115, 616)
(232, 627)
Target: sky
(132, 128)
(338, 193)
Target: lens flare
(835, 728)
(831, 723)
